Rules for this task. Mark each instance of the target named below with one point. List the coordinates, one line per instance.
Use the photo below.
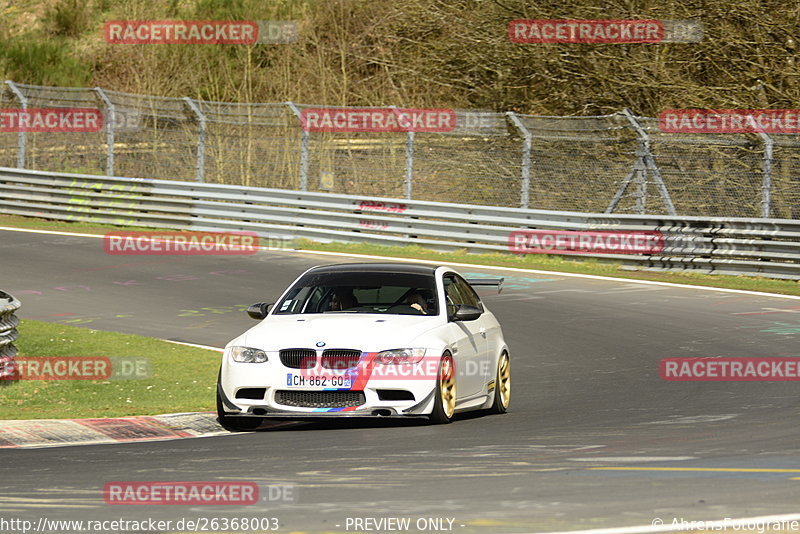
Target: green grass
(182, 380)
(42, 63)
(526, 261)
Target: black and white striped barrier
(8, 334)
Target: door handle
(482, 331)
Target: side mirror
(259, 310)
(467, 313)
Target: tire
(233, 423)
(445, 398)
(502, 385)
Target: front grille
(320, 399)
(340, 358)
(299, 358)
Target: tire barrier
(8, 335)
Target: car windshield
(361, 292)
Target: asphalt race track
(586, 395)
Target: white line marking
(216, 349)
(770, 310)
(717, 525)
(50, 232)
(470, 265)
(181, 413)
(629, 290)
(693, 419)
(632, 459)
(563, 291)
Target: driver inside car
(342, 299)
(417, 301)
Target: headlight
(399, 356)
(248, 355)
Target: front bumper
(271, 378)
(384, 410)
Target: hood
(362, 331)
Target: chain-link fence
(617, 163)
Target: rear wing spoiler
(492, 282)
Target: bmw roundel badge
(320, 343)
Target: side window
(313, 300)
(468, 295)
(452, 294)
(292, 302)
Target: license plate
(294, 380)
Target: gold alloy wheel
(504, 380)
(447, 386)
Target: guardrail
(739, 246)
(8, 334)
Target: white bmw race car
(375, 340)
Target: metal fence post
(303, 148)
(649, 165)
(766, 167)
(621, 189)
(21, 136)
(525, 188)
(766, 187)
(641, 191)
(409, 164)
(110, 124)
(408, 181)
(201, 138)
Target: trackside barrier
(8, 334)
(738, 246)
